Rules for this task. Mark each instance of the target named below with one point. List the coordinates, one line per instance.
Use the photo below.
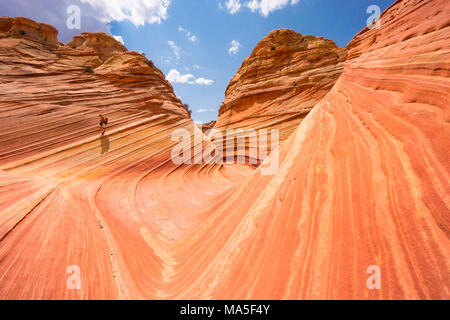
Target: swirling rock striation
(363, 181)
(363, 184)
(280, 82)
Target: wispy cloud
(235, 47)
(265, 7)
(137, 12)
(232, 6)
(189, 35)
(175, 49)
(174, 76)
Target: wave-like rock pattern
(51, 97)
(286, 75)
(363, 180)
(59, 176)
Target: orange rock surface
(208, 126)
(280, 82)
(363, 180)
(29, 29)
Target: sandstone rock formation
(24, 28)
(363, 180)
(280, 82)
(55, 166)
(208, 126)
(51, 96)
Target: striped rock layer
(363, 183)
(286, 75)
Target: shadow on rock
(104, 141)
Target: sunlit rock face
(98, 42)
(82, 194)
(51, 96)
(28, 29)
(280, 82)
(362, 185)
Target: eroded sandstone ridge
(363, 181)
(51, 94)
(82, 193)
(280, 82)
(28, 29)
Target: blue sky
(194, 37)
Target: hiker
(103, 123)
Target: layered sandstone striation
(51, 96)
(208, 126)
(98, 42)
(280, 82)
(59, 176)
(24, 28)
(363, 181)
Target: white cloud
(196, 66)
(232, 6)
(175, 48)
(204, 81)
(235, 46)
(189, 35)
(265, 7)
(119, 38)
(203, 110)
(137, 12)
(174, 76)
